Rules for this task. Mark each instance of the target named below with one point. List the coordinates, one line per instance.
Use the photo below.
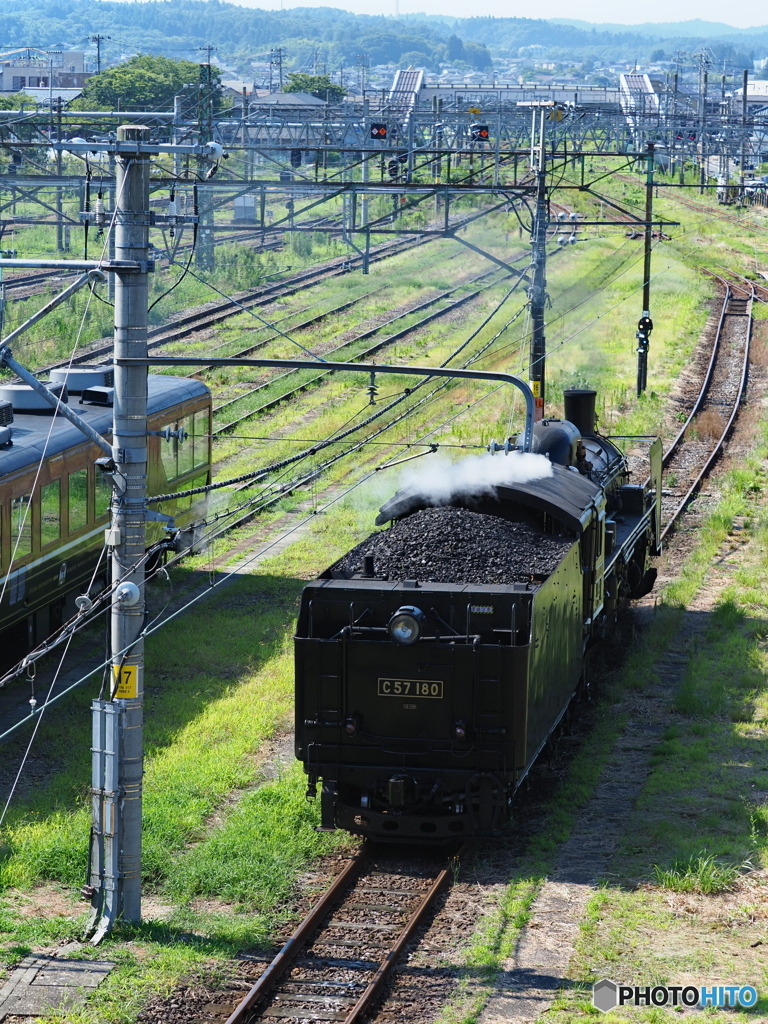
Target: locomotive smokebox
(580, 409)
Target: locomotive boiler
(435, 659)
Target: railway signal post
(115, 856)
(645, 324)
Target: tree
(455, 48)
(145, 82)
(477, 55)
(658, 55)
(14, 100)
(320, 86)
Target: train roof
(29, 431)
(566, 495)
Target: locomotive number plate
(411, 688)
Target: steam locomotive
(434, 661)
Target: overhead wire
(250, 312)
(22, 525)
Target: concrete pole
(703, 158)
(538, 290)
(743, 153)
(177, 123)
(59, 168)
(365, 166)
(128, 519)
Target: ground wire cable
(191, 602)
(619, 303)
(335, 437)
(39, 717)
(319, 469)
(44, 452)
(250, 312)
(154, 629)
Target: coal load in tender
(454, 545)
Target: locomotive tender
(54, 504)
(421, 704)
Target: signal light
(394, 168)
(403, 158)
(378, 130)
(479, 132)
(295, 158)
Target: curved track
(700, 440)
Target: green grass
(700, 873)
(214, 704)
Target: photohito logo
(607, 995)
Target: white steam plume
(439, 479)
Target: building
(287, 101)
(29, 69)
(757, 95)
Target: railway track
(761, 290)
(337, 962)
(27, 285)
(700, 441)
(215, 313)
(450, 306)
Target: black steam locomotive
(434, 660)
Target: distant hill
(324, 37)
(696, 28)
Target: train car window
(186, 448)
(201, 431)
(21, 526)
(78, 500)
(50, 513)
(103, 495)
(168, 456)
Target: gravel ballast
(454, 545)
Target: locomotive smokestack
(580, 409)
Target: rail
(705, 395)
(364, 884)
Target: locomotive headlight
(406, 624)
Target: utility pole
(703, 64)
(743, 149)
(204, 255)
(276, 58)
(98, 40)
(115, 882)
(645, 324)
(362, 63)
(537, 293)
(59, 168)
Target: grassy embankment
(212, 707)
(685, 901)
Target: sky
(743, 15)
